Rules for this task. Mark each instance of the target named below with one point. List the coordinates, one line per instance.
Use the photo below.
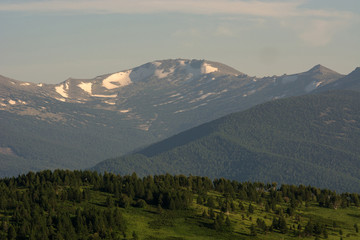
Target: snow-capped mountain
(79, 122)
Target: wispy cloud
(313, 26)
(224, 31)
(319, 32)
(253, 8)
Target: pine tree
(253, 230)
(325, 234)
(204, 214)
(11, 233)
(228, 223)
(211, 213)
(134, 236)
(199, 200)
(241, 206)
(109, 202)
(210, 202)
(172, 205)
(282, 225)
(251, 208)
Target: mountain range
(299, 140)
(79, 122)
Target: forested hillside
(311, 139)
(87, 205)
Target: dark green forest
(312, 139)
(65, 204)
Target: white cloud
(320, 32)
(317, 31)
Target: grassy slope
(191, 225)
(153, 223)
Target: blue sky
(51, 40)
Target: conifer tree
(253, 230)
(251, 208)
(11, 233)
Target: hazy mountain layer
(349, 82)
(300, 140)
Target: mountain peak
(356, 71)
(193, 66)
(354, 76)
(321, 69)
(348, 82)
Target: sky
(49, 41)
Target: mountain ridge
(348, 82)
(298, 140)
(111, 115)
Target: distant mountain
(77, 123)
(298, 140)
(349, 82)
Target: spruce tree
(11, 233)
(252, 230)
(251, 208)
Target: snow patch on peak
(12, 102)
(160, 73)
(182, 62)
(175, 95)
(40, 85)
(117, 80)
(61, 90)
(25, 84)
(207, 68)
(61, 99)
(157, 64)
(110, 103)
(87, 87)
(203, 96)
(104, 96)
(196, 67)
(312, 86)
(125, 110)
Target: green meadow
(88, 205)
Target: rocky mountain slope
(77, 123)
(349, 82)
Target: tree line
(60, 204)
